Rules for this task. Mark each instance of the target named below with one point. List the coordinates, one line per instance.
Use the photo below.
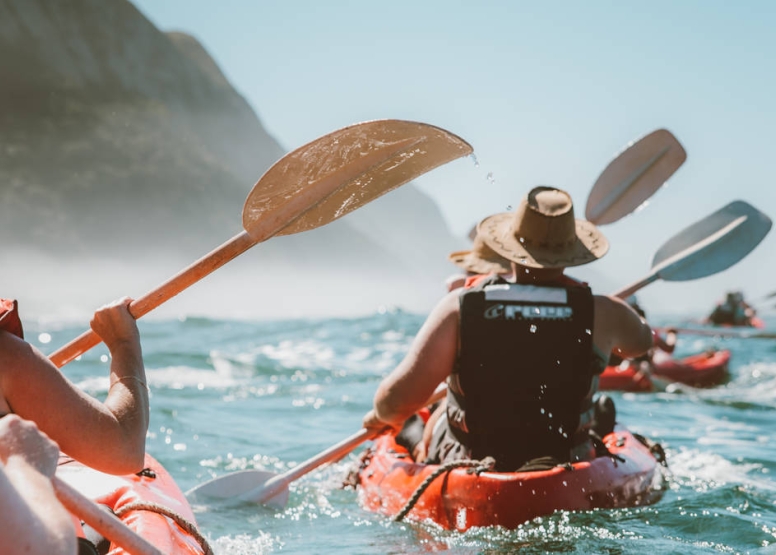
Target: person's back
(522, 358)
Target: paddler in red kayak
(667, 345)
(108, 436)
(521, 358)
(733, 311)
(480, 260)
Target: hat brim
(590, 244)
(470, 262)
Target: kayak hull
(702, 370)
(153, 486)
(459, 500)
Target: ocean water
(233, 395)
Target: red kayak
(149, 503)
(754, 322)
(459, 499)
(701, 370)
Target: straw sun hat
(543, 233)
(481, 259)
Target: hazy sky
(546, 92)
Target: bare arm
(428, 363)
(34, 522)
(109, 437)
(669, 343)
(619, 329)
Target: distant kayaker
(480, 260)
(34, 521)
(521, 358)
(108, 436)
(667, 345)
(733, 311)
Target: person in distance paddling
(521, 358)
(662, 347)
(479, 260)
(107, 436)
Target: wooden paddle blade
(713, 244)
(634, 176)
(230, 485)
(339, 172)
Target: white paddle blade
(230, 485)
(342, 171)
(713, 244)
(634, 176)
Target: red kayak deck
(153, 486)
(701, 370)
(459, 500)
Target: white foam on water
(173, 377)
(702, 471)
(244, 544)
(182, 377)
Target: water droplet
(509, 208)
(44, 338)
(541, 410)
(588, 332)
(533, 328)
(491, 178)
(474, 159)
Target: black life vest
(523, 384)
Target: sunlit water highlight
(230, 395)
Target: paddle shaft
(139, 307)
(741, 334)
(629, 290)
(105, 523)
(275, 485)
(269, 224)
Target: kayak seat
(94, 543)
(86, 547)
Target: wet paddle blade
(339, 172)
(234, 485)
(634, 176)
(713, 244)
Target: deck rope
(187, 526)
(488, 463)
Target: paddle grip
(105, 523)
(145, 304)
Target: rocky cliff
(119, 141)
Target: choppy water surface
(231, 395)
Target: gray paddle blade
(713, 244)
(235, 485)
(634, 176)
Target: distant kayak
(150, 503)
(702, 370)
(753, 322)
(630, 475)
